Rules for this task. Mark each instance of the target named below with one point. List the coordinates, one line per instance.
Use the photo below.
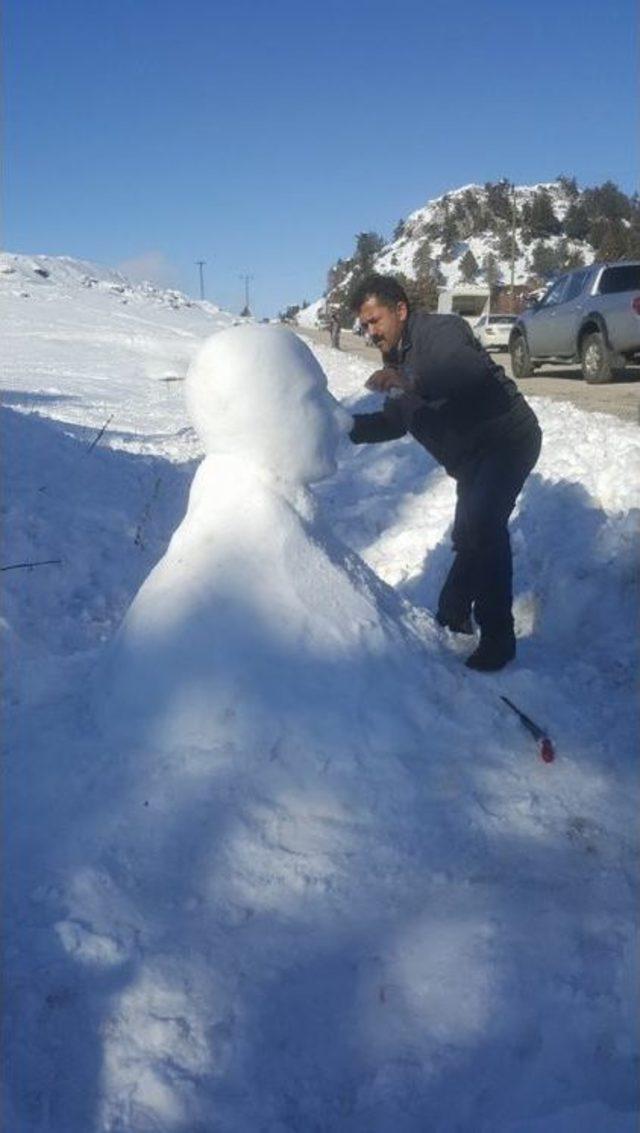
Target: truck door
(567, 314)
(541, 327)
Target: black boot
(460, 624)
(493, 653)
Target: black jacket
(460, 403)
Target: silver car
(590, 316)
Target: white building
(467, 299)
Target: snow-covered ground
(322, 881)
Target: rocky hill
(490, 234)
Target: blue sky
(262, 136)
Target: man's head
(382, 306)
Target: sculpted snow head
(257, 392)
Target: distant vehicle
(590, 316)
(493, 331)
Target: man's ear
(403, 310)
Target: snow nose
(343, 420)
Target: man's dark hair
(384, 288)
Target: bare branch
(30, 566)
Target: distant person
(334, 329)
(459, 404)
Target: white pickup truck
(590, 316)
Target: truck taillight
(636, 304)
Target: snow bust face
(257, 392)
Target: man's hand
(385, 380)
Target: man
(334, 329)
(449, 394)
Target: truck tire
(595, 359)
(520, 358)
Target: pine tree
(337, 275)
(542, 220)
(499, 198)
(566, 259)
(576, 221)
(423, 263)
(422, 293)
(468, 266)
(289, 314)
(399, 230)
(607, 200)
(613, 244)
(490, 269)
(368, 245)
(449, 232)
(597, 230)
(570, 186)
(504, 245)
(544, 260)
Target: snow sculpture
(277, 776)
(255, 604)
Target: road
(621, 398)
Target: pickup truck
(590, 316)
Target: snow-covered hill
(474, 220)
(427, 224)
(333, 887)
(57, 276)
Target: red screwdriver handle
(546, 750)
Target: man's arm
(385, 425)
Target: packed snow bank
(318, 878)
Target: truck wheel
(596, 360)
(520, 357)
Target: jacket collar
(406, 341)
(397, 356)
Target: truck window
(556, 294)
(626, 277)
(576, 285)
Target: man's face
(384, 324)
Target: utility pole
(246, 311)
(513, 247)
(201, 264)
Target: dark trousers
(481, 576)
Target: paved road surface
(622, 399)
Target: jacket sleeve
(451, 363)
(386, 425)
